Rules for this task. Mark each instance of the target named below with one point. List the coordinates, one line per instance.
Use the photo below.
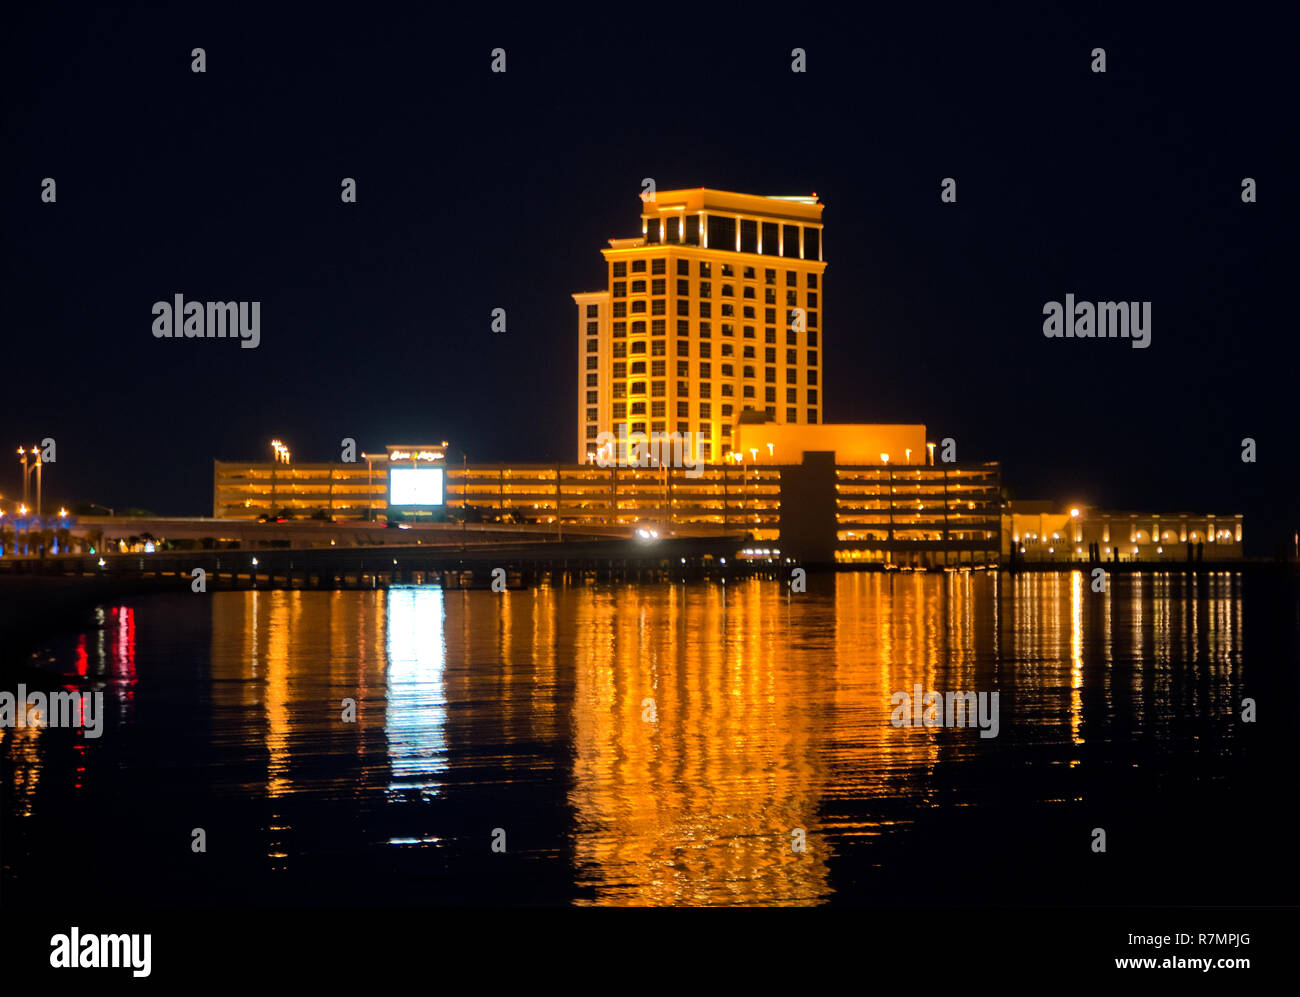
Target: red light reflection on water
(123, 622)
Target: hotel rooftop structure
(710, 316)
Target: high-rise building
(711, 318)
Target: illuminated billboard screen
(415, 486)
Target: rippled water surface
(669, 744)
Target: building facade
(253, 489)
(1036, 532)
(816, 495)
(712, 315)
(820, 493)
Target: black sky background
(478, 191)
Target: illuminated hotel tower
(712, 316)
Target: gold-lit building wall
(852, 443)
(920, 515)
(1120, 535)
(594, 364)
(249, 489)
(715, 309)
(743, 499)
(887, 513)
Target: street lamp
(27, 473)
(22, 456)
(281, 453)
(39, 464)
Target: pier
(449, 565)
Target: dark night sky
(479, 191)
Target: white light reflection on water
(415, 718)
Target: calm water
(527, 712)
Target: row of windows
(704, 289)
(620, 372)
(657, 286)
(658, 266)
(705, 429)
(725, 370)
(659, 388)
(657, 307)
(721, 230)
(705, 308)
(658, 348)
(658, 410)
(619, 409)
(705, 331)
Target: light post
(22, 456)
(281, 453)
(27, 474)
